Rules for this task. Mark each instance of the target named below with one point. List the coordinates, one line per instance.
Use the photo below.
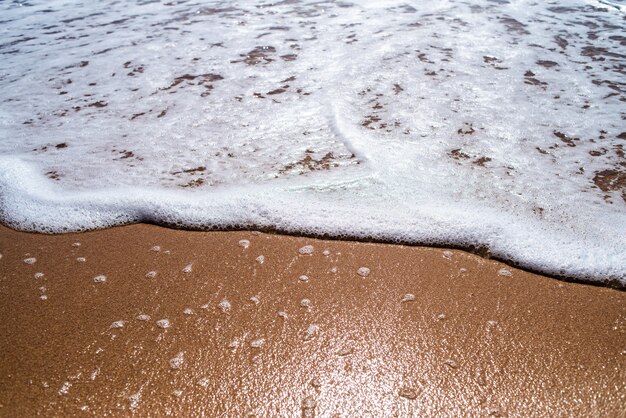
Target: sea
(493, 125)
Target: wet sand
(427, 332)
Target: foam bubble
(505, 272)
(258, 343)
(311, 332)
(224, 306)
(134, 400)
(100, 279)
(143, 317)
(409, 297)
(65, 389)
(188, 268)
(118, 324)
(151, 274)
(244, 243)
(30, 260)
(306, 250)
(303, 278)
(177, 361)
(39, 275)
(188, 311)
(260, 259)
(305, 303)
(81, 259)
(363, 271)
(163, 323)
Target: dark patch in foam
(514, 26)
(611, 181)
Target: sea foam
(481, 123)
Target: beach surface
(144, 320)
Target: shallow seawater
(497, 124)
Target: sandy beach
(148, 321)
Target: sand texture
(427, 332)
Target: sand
(427, 332)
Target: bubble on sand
(178, 393)
(84, 408)
(188, 311)
(118, 324)
(255, 300)
(81, 259)
(76, 244)
(204, 382)
(505, 272)
(447, 255)
(134, 400)
(441, 317)
(43, 297)
(306, 250)
(30, 260)
(303, 278)
(283, 314)
(409, 297)
(305, 303)
(260, 259)
(156, 249)
(224, 305)
(143, 317)
(38, 275)
(311, 332)
(177, 361)
(151, 274)
(206, 305)
(163, 323)
(188, 268)
(462, 270)
(326, 253)
(244, 243)
(234, 344)
(333, 270)
(363, 271)
(65, 388)
(100, 279)
(258, 343)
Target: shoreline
(477, 250)
(427, 331)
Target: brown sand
(473, 342)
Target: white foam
(258, 343)
(444, 122)
(177, 361)
(163, 323)
(224, 306)
(118, 324)
(100, 279)
(363, 271)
